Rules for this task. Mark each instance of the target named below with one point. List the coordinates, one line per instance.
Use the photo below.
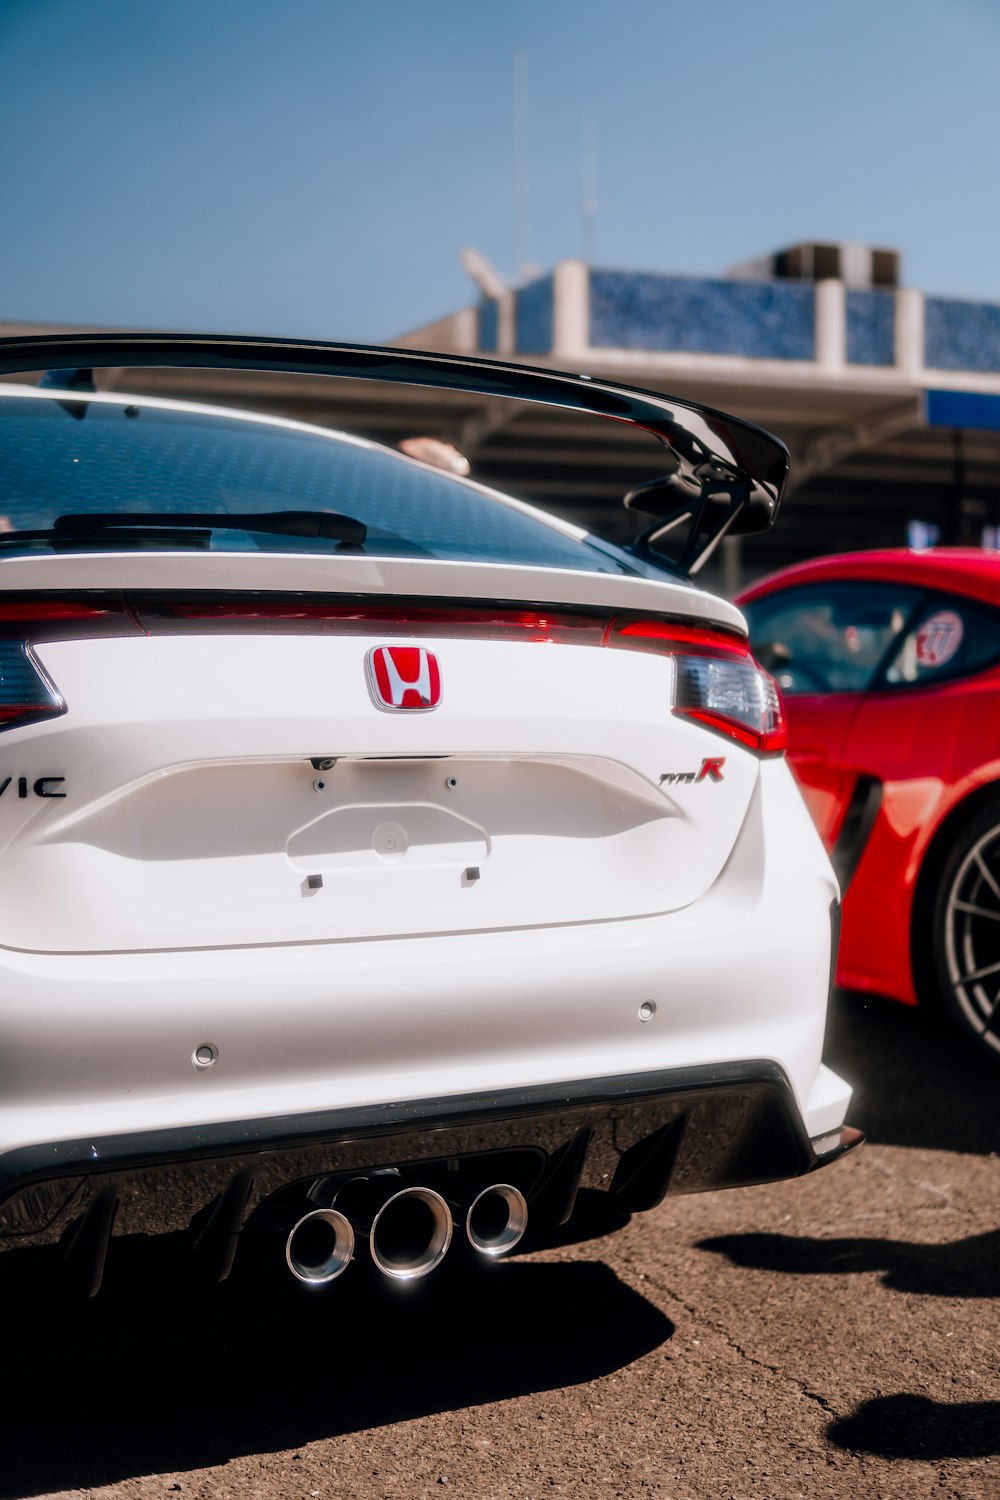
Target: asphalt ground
(835, 1336)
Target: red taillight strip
(50, 609)
(686, 642)
(773, 742)
(376, 616)
(671, 636)
(27, 694)
(63, 617)
(463, 618)
(50, 618)
(20, 710)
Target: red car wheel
(965, 930)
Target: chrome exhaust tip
(320, 1246)
(497, 1219)
(408, 1227)
(410, 1234)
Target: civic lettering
(43, 783)
(41, 786)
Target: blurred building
(889, 399)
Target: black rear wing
(725, 476)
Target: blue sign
(963, 409)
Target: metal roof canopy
(868, 453)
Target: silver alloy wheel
(972, 937)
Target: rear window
(63, 456)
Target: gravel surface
(836, 1336)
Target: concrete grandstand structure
(888, 399)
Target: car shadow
(152, 1378)
(916, 1081)
(915, 1427)
(963, 1268)
(915, 1084)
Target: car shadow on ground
(149, 1378)
(916, 1081)
(964, 1268)
(915, 1427)
(916, 1084)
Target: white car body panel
(192, 816)
(408, 1018)
(244, 904)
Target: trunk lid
(553, 784)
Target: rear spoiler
(725, 476)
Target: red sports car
(890, 665)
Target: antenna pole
(589, 204)
(520, 163)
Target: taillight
(718, 682)
(735, 697)
(26, 694)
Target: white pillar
(506, 333)
(831, 326)
(571, 311)
(910, 333)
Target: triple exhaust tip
(497, 1219)
(320, 1246)
(408, 1231)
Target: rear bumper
(99, 1046)
(619, 1056)
(638, 1138)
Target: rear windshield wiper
(80, 526)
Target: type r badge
(710, 770)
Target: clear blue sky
(313, 167)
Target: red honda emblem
(403, 677)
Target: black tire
(964, 935)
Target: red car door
(929, 733)
(818, 727)
(824, 642)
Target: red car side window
(829, 638)
(950, 637)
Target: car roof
(958, 570)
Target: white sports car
(385, 861)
